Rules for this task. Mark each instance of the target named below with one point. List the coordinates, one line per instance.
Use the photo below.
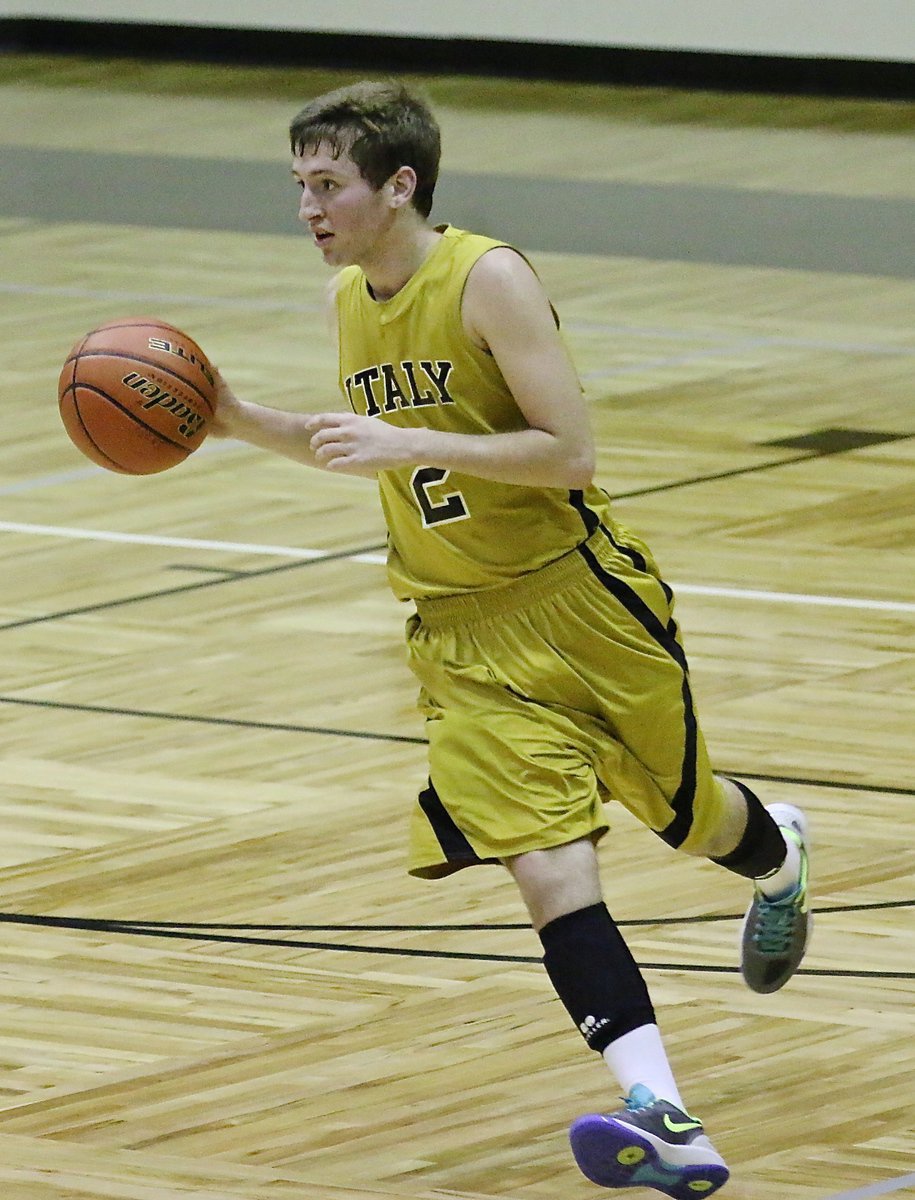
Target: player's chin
(338, 256)
(330, 250)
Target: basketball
(136, 395)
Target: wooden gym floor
(217, 982)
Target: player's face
(345, 214)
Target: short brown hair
(381, 126)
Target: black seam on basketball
(156, 324)
(152, 323)
(73, 357)
(85, 429)
(148, 362)
(163, 437)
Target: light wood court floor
(206, 717)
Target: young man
(551, 669)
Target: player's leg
(653, 1142)
(514, 733)
(589, 964)
(770, 846)
(661, 771)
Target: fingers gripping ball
(136, 395)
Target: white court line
(684, 589)
(690, 589)
(876, 1189)
(145, 539)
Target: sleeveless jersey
(409, 361)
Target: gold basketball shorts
(547, 697)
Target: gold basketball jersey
(409, 361)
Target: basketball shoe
(776, 932)
(650, 1143)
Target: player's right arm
(286, 433)
(271, 429)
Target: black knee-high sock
(761, 850)
(595, 975)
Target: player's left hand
(355, 445)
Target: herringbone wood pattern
(195, 731)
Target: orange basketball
(136, 395)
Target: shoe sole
(613, 1154)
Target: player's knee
(558, 880)
(721, 823)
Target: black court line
(676, 484)
(276, 569)
(402, 952)
(112, 924)
(202, 570)
(329, 731)
(739, 471)
(836, 784)
(231, 722)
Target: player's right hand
(228, 405)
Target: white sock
(639, 1057)
(784, 881)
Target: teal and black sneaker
(651, 1144)
(776, 932)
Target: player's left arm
(506, 311)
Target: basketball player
(552, 675)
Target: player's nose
(309, 209)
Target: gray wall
(854, 29)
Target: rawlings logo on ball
(160, 398)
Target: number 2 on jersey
(449, 506)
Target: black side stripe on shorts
(637, 559)
(666, 637)
(454, 845)
(589, 517)
(591, 522)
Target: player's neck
(399, 257)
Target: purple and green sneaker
(650, 1143)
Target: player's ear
(401, 186)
